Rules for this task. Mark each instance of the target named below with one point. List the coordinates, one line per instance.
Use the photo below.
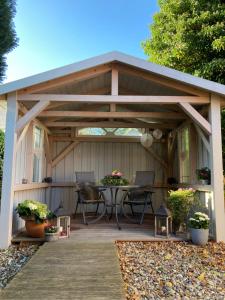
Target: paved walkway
(69, 269)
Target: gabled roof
(111, 57)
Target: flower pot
(199, 236)
(35, 230)
(51, 237)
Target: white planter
(51, 237)
(199, 236)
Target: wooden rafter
(74, 77)
(63, 153)
(162, 81)
(196, 117)
(30, 115)
(115, 99)
(111, 124)
(117, 139)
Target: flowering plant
(51, 229)
(203, 174)
(180, 203)
(115, 178)
(199, 221)
(32, 209)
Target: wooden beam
(115, 99)
(112, 107)
(162, 81)
(114, 82)
(47, 148)
(7, 196)
(24, 110)
(196, 117)
(74, 77)
(111, 125)
(22, 135)
(157, 157)
(118, 114)
(203, 138)
(117, 139)
(217, 169)
(30, 115)
(63, 153)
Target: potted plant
(204, 175)
(179, 202)
(51, 233)
(199, 225)
(36, 216)
(114, 179)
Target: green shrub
(180, 203)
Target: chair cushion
(88, 191)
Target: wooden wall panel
(37, 194)
(102, 158)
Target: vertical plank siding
(24, 163)
(102, 158)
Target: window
(37, 154)
(110, 132)
(184, 154)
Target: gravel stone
(12, 260)
(172, 270)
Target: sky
(53, 33)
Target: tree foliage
(8, 39)
(189, 36)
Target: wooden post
(217, 168)
(8, 172)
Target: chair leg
(132, 210)
(76, 208)
(83, 213)
(96, 212)
(152, 207)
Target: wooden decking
(69, 269)
(85, 266)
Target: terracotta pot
(35, 230)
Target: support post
(6, 214)
(217, 168)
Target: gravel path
(172, 270)
(12, 260)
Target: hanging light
(157, 133)
(146, 140)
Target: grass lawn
(172, 270)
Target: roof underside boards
(121, 58)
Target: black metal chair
(141, 196)
(88, 194)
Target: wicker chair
(141, 196)
(89, 194)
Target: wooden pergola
(111, 91)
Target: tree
(8, 39)
(189, 35)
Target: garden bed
(12, 260)
(172, 270)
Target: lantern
(163, 222)
(157, 133)
(146, 140)
(63, 221)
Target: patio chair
(88, 194)
(141, 196)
